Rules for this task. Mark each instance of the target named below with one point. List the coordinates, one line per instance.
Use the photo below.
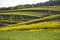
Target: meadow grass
(23, 35)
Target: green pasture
(23, 35)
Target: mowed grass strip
(56, 8)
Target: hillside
(40, 21)
(24, 24)
(36, 23)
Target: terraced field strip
(9, 21)
(37, 14)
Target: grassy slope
(53, 8)
(37, 25)
(41, 19)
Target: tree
(19, 7)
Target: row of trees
(48, 3)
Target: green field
(21, 35)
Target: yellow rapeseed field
(33, 26)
